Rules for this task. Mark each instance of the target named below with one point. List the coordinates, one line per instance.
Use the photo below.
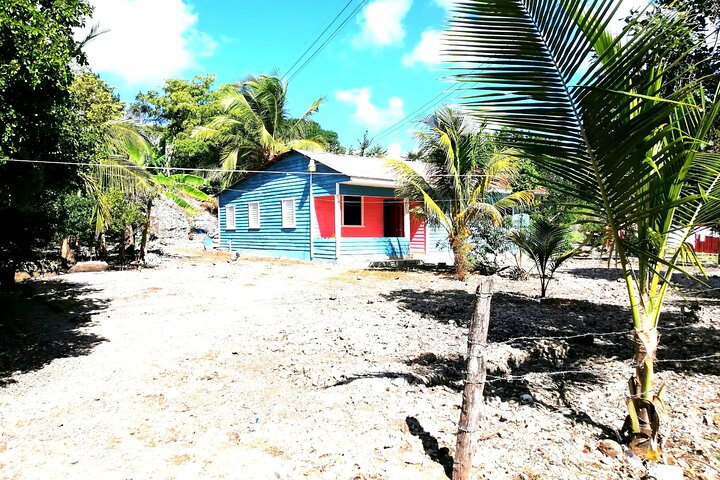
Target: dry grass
(359, 276)
(179, 459)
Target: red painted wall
(710, 244)
(372, 218)
(373, 225)
(325, 212)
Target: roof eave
(372, 182)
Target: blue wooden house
(322, 206)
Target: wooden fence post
(474, 382)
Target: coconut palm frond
(127, 138)
(611, 127)
(119, 173)
(306, 144)
(486, 211)
(252, 128)
(520, 201)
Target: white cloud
(147, 40)
(446, 4)
(381, 23)
(394, 150)
(428, 50)
(366, 113)
(626, 8)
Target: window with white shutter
(288, 213)
(253, 214)
(229, 217)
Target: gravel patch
(255, 369)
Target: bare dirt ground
(253, 369)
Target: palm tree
(254, 125)
(547, 244)
(125, 169)
(461, 179)
(588, 103)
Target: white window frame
(253, 225)
(230, 217)
(287, 205)
(362, 211)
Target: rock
(21, 277)
(610, 448)
(152, 260)
(527, 398)
(89, 267)
(633, 460)
(658, 471)
(169, 220)
(205, 222)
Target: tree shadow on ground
(611, 274)
(576, 338)
(41, 321)
(598, 331)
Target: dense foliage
(175, 112)
(37, 119)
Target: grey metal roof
(360, 167)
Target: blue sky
(381, 67)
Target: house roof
(356, 167)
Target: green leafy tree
(129, 176)
(95, 101)
(463, 175)
(253, 126)
(37, 121)
(175, 111)
(376, 151)
(312, 129)
(694, 49)
(121, 168)
(365, 147)
(621, 137)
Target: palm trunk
(645, 407)
(146, 227)
(461, 249)
(122, 246)
(101, 246)
(646, 343)
(543, 288)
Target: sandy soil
(247, 369)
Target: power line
(209, 170)
(421, 110)
(337, 30)
(366, 200)
(317, 39)
(416, 114)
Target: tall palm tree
(589, 104)
(463, 174)
(254, 125)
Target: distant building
(706, 240)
